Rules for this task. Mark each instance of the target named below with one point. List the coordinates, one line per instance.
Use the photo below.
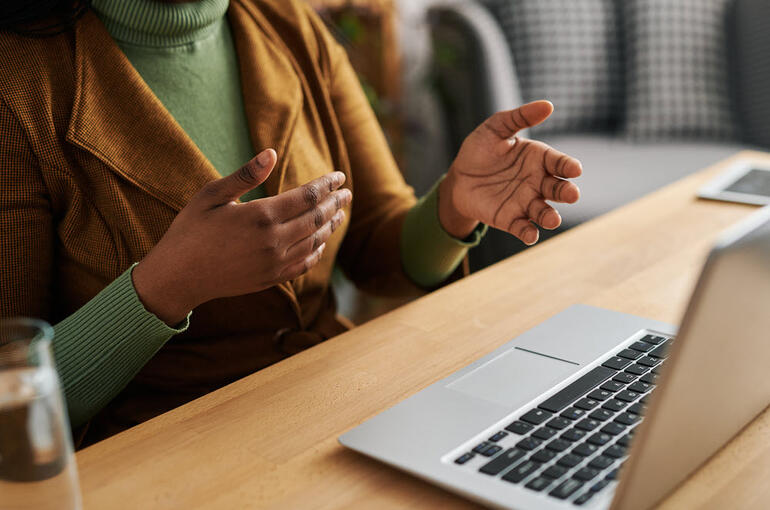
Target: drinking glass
(37, 464)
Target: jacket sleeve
(99, 348)
(26, 226)
(370, 254)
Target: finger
(232, 187)
(543, 214)
(312, 220)
(297, 201)
(561, 165)
(559, 190)
(524, 230)
(507, 123)
(311, 243)
(297, 269)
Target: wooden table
(270, 440)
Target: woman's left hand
(504, 181)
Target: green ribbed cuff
(429, 254)
(102, 346)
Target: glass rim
(43, 330)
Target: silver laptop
(595, 408)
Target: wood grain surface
(270, 440)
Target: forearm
(429, 253)
(102, 346)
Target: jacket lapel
(117, 117)
(272, 92)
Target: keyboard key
(558, 445)
(640, 387)
(570, 460)
(490, 451)
(573, 413)
(528, 443)
(566, 489)
(637, 408)
(543, 456)
(536, 416)
(627, 396)
(585, 474)
(575, 390)
(498, 436)
(657, 369)
(465, 457)
(659, 352)
(612, 475)
(600, 485)
(588, 424)
(616, 363)
(615, 451)
(519, 427)
(653, 339)
(644, 399)
(502, 461)
(559, 423)
(601, 462)
(583, 498)
(586, 404)
(612, 386)
(642, 346)
(481, 447)
(624, 377)
(614, 405)
(545, 433)
(600, 394)
(585, 449)
(521, 471)
(648, 361)
(650, 378)
(573, 435)
(601, 414)
(613, 429)
(555, 472)
(539, 483)
(627, 418)
(637, 369)
(624, 441)
(629, 354)
(600, 439)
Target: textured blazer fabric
(93, 170)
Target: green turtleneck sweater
(186, 55)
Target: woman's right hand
(217, 247)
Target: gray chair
(475, 76)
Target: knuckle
(318, 217)
(245, 174)
(264, 217)
(210, 189)
(311, 194)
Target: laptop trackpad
(514, 378)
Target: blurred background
(646, 91)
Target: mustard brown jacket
(93, 169)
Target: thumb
(510, 122)
(246, 178)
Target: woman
(123, 137)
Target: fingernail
(321, 248)
(264, 157)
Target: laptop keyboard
(571, 445)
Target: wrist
(160, 292)
(452, 221)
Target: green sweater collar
(157, 24)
